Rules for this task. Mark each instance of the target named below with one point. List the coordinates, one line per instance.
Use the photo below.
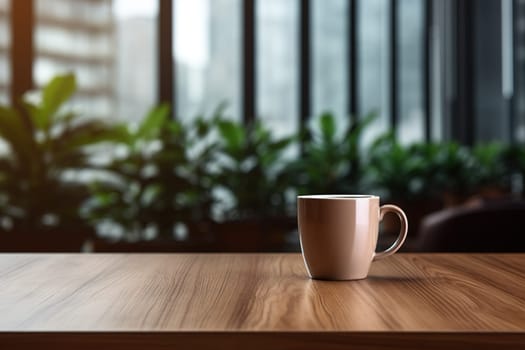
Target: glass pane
(373, 80)
(277, 62)
(411, 71)
(135, 57)
(109, 45)
(207, 44)
(329, 58)
(5, 41)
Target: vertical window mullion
(427, 47)
(249, 108)
(22, 48)
(394, 86)
(353, 109)
(513, 110)
(304, 63)
(166, 69)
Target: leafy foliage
(397, 171)
(163, 173)
(330, 162)
(250, 168)
(492, 166)
(162, 180)
(430, 170)
(47, 147)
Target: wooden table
(259, 301)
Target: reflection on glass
(373, 61)
(207, 39)
(410, 65)
(329, 58)
(277, 61)
(5, 38)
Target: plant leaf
(18, 135)
(151, 125)
(232, 133)
(54, 95)
(328, 127)
(88, 133)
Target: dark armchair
(489, 227)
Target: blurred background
(191, 125)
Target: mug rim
(338, 196)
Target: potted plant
(41, 184)
(253, 183)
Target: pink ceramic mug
(338, 234)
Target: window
(113, 46)
(399, 58)
(209, 62)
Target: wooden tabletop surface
(195, 299)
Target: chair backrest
(492, 227)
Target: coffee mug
(338, 234)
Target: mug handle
(389, 208)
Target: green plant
(160, 184)
(47, 147)
(492, 168)
(514, 159)
(330, 162)
(436, 170)
(452, 170)
(195, 142)
(251, 171)
(399, 172)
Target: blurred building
(113, 54)
(78, 36)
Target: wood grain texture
(408, 297)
